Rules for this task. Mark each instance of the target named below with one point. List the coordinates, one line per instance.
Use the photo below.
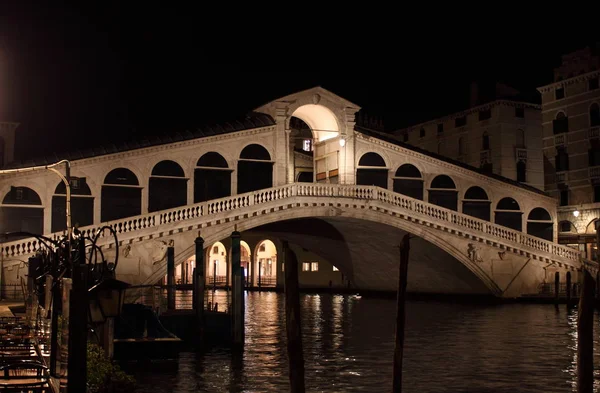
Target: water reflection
(349, 341)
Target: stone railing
(408, 206)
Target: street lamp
(576, 213)
(106, 299)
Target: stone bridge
(300, 169)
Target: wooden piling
(585, 335)
(293, 322)
(237, 301)
(171, 278)
(569, 289)
(401, 313)
(556, 288)
(199, 283)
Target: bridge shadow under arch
(367, 253)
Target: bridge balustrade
(409, 207)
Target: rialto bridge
(297, 169)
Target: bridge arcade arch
(121, 195)
(167, 187)
(82, 205)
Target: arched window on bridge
(21, 211)
(409, 181)
(167, 187)
(216, 265)
(305, 177)
(476, 203)
(255, 169)
(212, 178)
(372, 171)
(539, 224)
(442, 192)
(265, 262)
(82, 205)
(508, 214)
(121, 195)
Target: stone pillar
(281, 148)
(237, 303)
(190, 189)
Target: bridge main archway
(441, 261)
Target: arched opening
(409, 181)
(566, 227)
(305, 177)
(476, 203)
(255, 169)
(167, 187)
(521, 172)
(82, 205)
(21, 211)
(245, 260)
(508, 214)
(592, 247)
(216, 265)
(442, 192)
(539, 224)
(560, 124)
(265, 262)
(212, 178)
(372, 171)
(301, 138)
(121, 195)
(594, 115)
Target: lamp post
(106, 302)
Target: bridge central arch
(436, 262)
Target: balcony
(562, 177)
(594, 172)
(521, 154)
(485, 157)
(594, 132)
(560, 139)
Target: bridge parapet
(404, 207)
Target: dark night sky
(80, 77)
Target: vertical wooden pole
(293, 322)
(401, 313)
(556, 288)
(569, 289)
(237, 301)
(199, 282)
(171, 278)
(585, 335)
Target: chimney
(474, 95)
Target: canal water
(349, 342)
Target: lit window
(306, 267)
(215, 249)
(307, 145)
(335, 269)
(314, 266)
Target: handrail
(416, 208)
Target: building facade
(571, 137)
(501, 137)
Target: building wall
(502, 128)
(576, 189)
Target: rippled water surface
(349, 342)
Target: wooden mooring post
(237, 302)
(199, 282)
(585, 335)
(401, 313)
(171, 278)
(292, 321)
